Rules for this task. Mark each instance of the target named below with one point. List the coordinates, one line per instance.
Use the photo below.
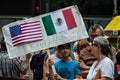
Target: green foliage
(114, 44)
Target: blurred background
(93, 11)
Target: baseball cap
(101, 40)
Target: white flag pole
(49, 57)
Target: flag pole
(49, 57)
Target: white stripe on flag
(36, 26)
(63, 25)
(31, 31)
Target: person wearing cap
(11, 68)
(104, 65)
(94, 31)
(97, 30)
(88, 59)
(66, 68)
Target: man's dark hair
(3, 45)
(63, 46)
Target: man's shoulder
(59, 62)
(4, 55)
(75, 62)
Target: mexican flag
(59, 21)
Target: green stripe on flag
(48, 24)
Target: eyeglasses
(94, 35)
(94, 44)
(63, 49)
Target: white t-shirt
(55, 58)
(107, 69)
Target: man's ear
(99, 46)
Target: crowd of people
(91, 59)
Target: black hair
(118, 57)
(3, 45)
(63, 46)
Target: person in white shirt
(56, 56)
(104, 65)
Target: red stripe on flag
(33, 28)
(30, 22)
(24, 26)
(28, 39)
(69, 18)
(37, 31)
(25, 36)
(26, 42)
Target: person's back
(117, 65)
(56, 56)
(37, 65)
(10, 67)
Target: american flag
(26, 32)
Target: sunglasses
(94, 35)
(95, 44)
